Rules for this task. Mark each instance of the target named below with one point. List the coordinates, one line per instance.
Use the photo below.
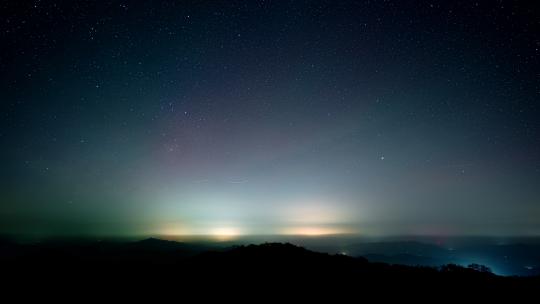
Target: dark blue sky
(269, 117)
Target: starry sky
(269, 117)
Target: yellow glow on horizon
(173, 231)
(219, 233)
(313, 231)
(225, 233)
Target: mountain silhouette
(156, 264)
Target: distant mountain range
(504, 259)
(169, 270)
(159, 263)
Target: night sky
(234, 118)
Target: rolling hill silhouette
(154, 263)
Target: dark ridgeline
(155, 264)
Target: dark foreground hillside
(268, 268)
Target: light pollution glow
(274, 118)
(226, 217)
